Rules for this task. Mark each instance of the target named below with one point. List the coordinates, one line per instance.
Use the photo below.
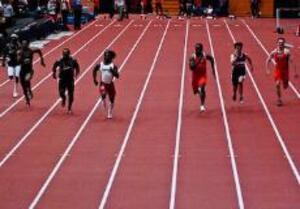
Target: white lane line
(4, 83)
(56, 47)
(179, 122)
(79, 132)
(131, 125)
(36, 125)
(268, 54)
(227, 130)
(138, 25)
(3, 113)
(274, 126)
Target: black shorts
(26, 73)
(64, 85)
(238, 74)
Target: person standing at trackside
(189, 7)
(182, 10)
(238, 61)
(26, 73)
(77, 11)
(8, 13)
(283, 59)
(68, 69)
(96, 7)
(65, 8)
(12, 56)
(255, 8)
(198, 65)
(111, 8)
(127, 8)
(158, 8)
(108, 71)
(120, 8)
(143, 4)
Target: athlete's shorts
(282, 76)
(198, 81)
(13, 71)
(238, 76)
(108, 89)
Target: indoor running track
(158, 151)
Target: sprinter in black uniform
(68, 70)
(26, 73)
(238, 61)
(12, 58)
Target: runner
(238, 60)
(108, 71)
(68, 71)
(282, 57)
(26, 73)
(198, 67)
(11, 57)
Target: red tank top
(282, 61)
(200, 68)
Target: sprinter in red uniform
(199, 75)
(282, 58)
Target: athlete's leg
(235, 82)
(11, 76)
(202, 94)
(235, 87)
(112, 95)
(29, 84)
(70, 88)
(16, 73)
(278, 92)
(241, 87)
(24, 85)
(62, 92)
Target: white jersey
(106, 72)
(120, 3)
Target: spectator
(77, 11)
(111, 10)
(143, 4)
(127, 8)
(198, 10)
(65, 8)
(2, 43)
(158, 8)
(182, 8)
(223, 8)
(189, 7)
(255, 8)
(8, 13)
(3, 33)
(209, 12)
(53, 9)
(22, 6)
(96, 7)
(120, 6)
(2, 24)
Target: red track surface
(143, 173)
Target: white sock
(15, 92)
(109, 110)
